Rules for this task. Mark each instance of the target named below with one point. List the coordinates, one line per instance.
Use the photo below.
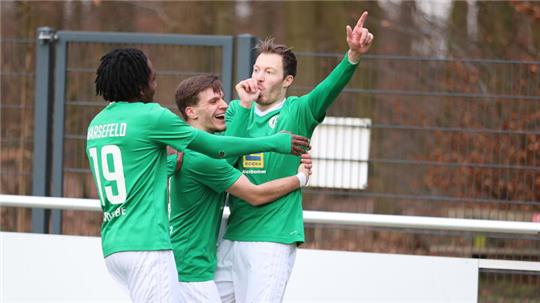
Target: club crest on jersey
(273, 121)
(253, 160)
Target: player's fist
(305, 168)
(359, 39)
(306, 161)
(248, 92)
(299, 144)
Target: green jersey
(280, 221)
(126, 146)
(197, 194)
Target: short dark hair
(187, 92)
(268, 46)
(121, 74)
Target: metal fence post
(57, 174)
(245, 55)
(42, 124)
(227, 68)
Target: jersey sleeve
(171, 130)
(218, 175)
(225, 146)
(324, 94)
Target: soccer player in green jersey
(126, 147)
(198, 191)
(256, 258)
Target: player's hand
(179, 161)
(171, 151)
(179, 157)
(247, 91)
(305, 160)
(299, 144)
(305, 168)
(359, 39)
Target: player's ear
(141, 91)
(191, 113)
(288, 81)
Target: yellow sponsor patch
(253, 160)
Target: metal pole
(42, 126)
(245, 56)
(57, 173)
(227, 68)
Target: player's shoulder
(134, 109)
(153, 107)
(293, 102)
(103, 114)
(234, 102)
(149, 108)
(163, 115)
(233, 105)
(292, 99)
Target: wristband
(349, 60)
(302, 178)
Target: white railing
(336, 218)
(319, 217)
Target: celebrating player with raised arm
(198, 190)
(126, 147)
(256, 258)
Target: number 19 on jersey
(111, 175)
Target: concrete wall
(57, 268)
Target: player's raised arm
(359, 40)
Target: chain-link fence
(448, 138)
(17, 126)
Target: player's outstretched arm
(359, 41)
(267, 192)
(171, 130)
(225, 146)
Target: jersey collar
(276, 106)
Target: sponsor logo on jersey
(254, 171)
(273, 121)
(253, 160)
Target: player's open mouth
(220, 116)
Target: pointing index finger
(362, 20)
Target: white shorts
(253, 271)
(199, 292)
(147, 276)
